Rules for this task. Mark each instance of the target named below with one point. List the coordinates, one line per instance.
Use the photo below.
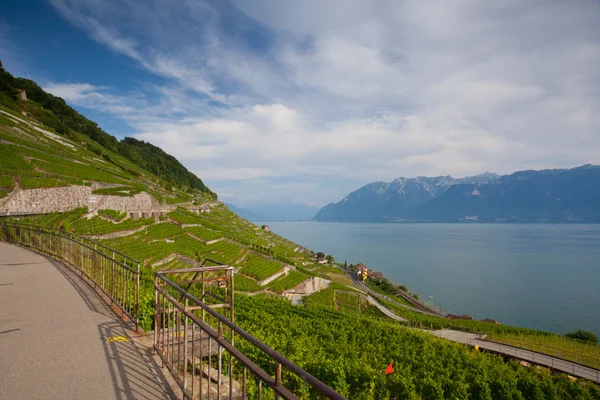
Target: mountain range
(557, 195)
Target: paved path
(53, 337)
(522, 354)
(386, 311)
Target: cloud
(90, 96)
(309, 102)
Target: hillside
(562, 195)
(54, 113)
(70, 181)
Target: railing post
(156, 314)
(112, 287)
(185, 344)
(137, 298)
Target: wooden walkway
(558, 364)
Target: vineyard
(350, 353)
(286, 282)
(99, 226)
(204, 233)
(226, 252)
(259, 267)
(244, 284)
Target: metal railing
(205, 351)
(583, 357)
(112, 272)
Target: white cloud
(328, 100)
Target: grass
(112, 214)
(119, 191)
(339, 278)
(40, 182)
(99, 226)
(6, 182)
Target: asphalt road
(59, 340)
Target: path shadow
(87, 294)
(133, 369)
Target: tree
(583, 336)
(330, 259)
(320, 254)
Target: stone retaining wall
(62, 199)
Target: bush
(583, 336)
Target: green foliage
(54, 112)
(112, 214)
(559, 346)
(292, 279)
(204, 233)
(260, 268)
(383, 286)
(126, 191)
(99, 226)
(350, 352)
(161, 164)
(11, 159)
(41, 182)
(583, 336)
(6, 182)
(245, 284)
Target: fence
(112, 272)
(196, 343)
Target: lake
(541, 276)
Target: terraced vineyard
(334, 335)
(260, 268)
(204, 233)
(99, 226)
(289, 281)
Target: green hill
(52, 157)
(54, 113)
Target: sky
(310, 100)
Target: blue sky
(310, 100)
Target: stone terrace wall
(67, 198)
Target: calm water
(536, 275)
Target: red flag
(389, 370)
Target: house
(205, 208)
(376, 276)
(321, 260)
(362, 271)
(22, 94)
(266, 228)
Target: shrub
(583, 336)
